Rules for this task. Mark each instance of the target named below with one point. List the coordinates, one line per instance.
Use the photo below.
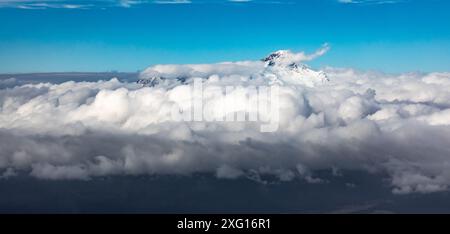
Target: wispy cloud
(172, 2)
(83, 4)
(78, 4)
(128, 3)
(36, 4)
(377, 2)
(239, 0)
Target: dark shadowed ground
(207, 194)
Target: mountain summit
(286, 63)
(282, 67)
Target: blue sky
(386, 35)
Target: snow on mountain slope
(282, 67)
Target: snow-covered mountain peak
(281, 58)
(286, 66)
(282, 66)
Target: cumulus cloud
(392, 125)
(9, 82)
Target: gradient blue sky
(391, 36)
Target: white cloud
(128, 3)
(394, 125)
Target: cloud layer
(393, 125)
